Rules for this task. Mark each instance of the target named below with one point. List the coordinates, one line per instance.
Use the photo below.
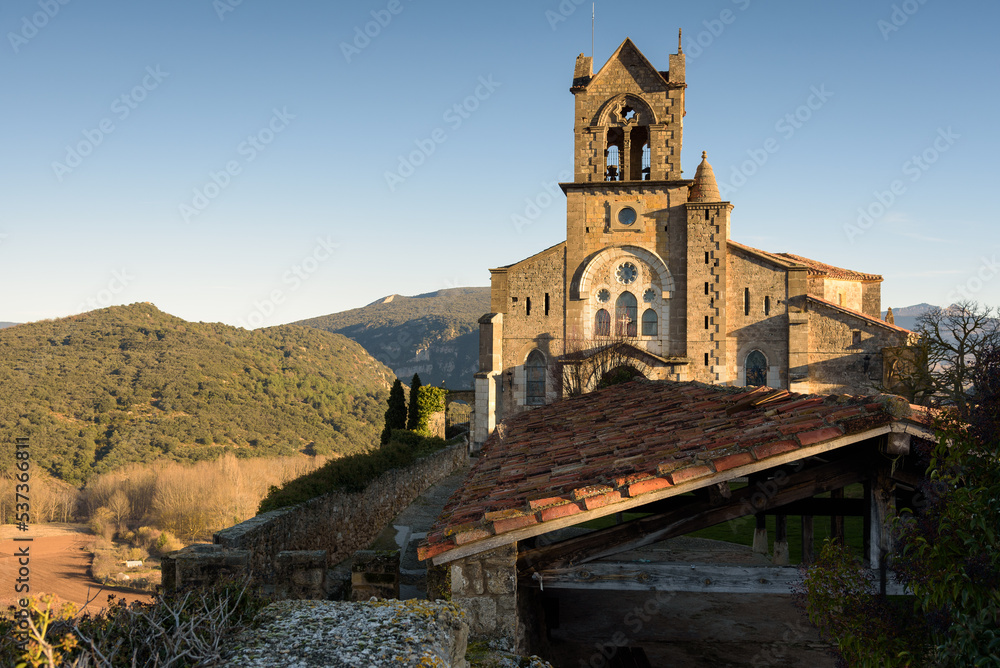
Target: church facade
(649, 281)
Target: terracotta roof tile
(595, 451)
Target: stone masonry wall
(485, 586)
(836, 362)
(531, 281)
(758, 330)
(340, 522)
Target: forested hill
(131, 383)
(434, 334)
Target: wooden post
(780, 557)
(837, 521)
(881, 510)
(760, 534)
(808, 553)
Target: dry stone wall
(340, 523)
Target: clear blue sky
(154, 98)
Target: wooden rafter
(691, 514)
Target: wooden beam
(760, 534)
(780, 557)
(822, 507)
(691, 515)
(808, 544)
(837, 521)
(680, 577)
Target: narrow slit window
(645, 162)
(746, 301)
(767, 305)
(706, 322)
(546, 303)
(706, 288)
(706, 359)
(527, 306)
(706, 257)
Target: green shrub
(354, 472)
(430, 400)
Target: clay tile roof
(858, 314)
(822, 269)
(814, 267)
(603, 449)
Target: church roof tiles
(814, 267)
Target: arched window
(626, 308)
(602, 323)
(534, 375)
(649, 322)
(645, 162)
(613, 164)
(756, 369)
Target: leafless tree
(941, 366)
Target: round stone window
(626, 273)
(649, 295)
(627, 216)
(603, 295)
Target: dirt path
(59, 563)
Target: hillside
(131, 383)
(434, 334)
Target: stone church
(648, 270)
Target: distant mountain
(434, 334)
(906, 316)
(7, 324)
(131, 383)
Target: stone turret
(704, 189)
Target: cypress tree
(413, 417)
(395, 414)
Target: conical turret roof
(704, 189)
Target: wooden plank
(679, 577)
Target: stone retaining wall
(340, 523)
